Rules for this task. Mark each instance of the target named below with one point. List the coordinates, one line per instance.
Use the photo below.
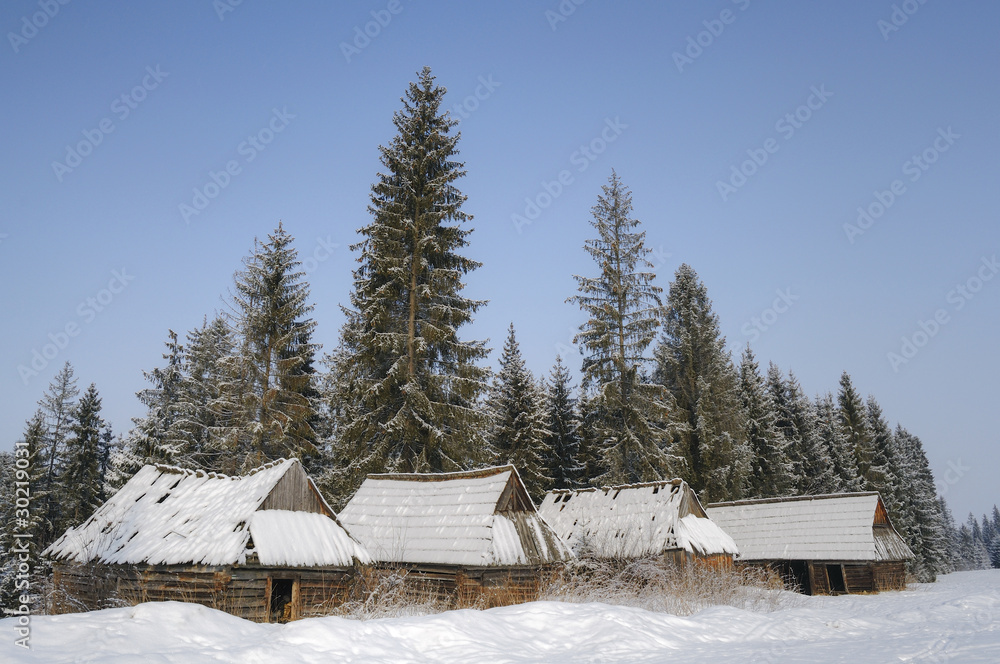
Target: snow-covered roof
(839, 527)
(634, 520)
(478, 518)
(171, 516)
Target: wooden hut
(840, 543)
(638, 520)
(265, 546)
(465, 536)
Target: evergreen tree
(838, 448)
(950, 534)
(81, 479)
(410, 393)
(590, 450)
(57, 406)
(202, 390)
(993, 545)
(885, 473)
(853, 422)
(265, 410)
(812, 468)
(518, 430)
(622, 307)
(771, 470)
(694, 366)
(925, 521)
(156, 437)
(563, 464)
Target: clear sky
(749, 132)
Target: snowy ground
(954, 620)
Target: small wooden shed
(637, 520)
(265, 546)
(464, 535)
(829, 544)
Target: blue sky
(750, 134)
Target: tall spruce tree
(407, 383)
(622, 306)
(202, 389)
(838, 447)
(518, 432)
(83, 485)
(853, 420)
(928, 518)
(155, 437)
(562, 442)
(57, 406)
(771, 472)
(694, 366)
(812, 468)
(265, 410)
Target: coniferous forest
(404, 390)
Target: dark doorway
(798, 577)
(835, 574)
(281, 600)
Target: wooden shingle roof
(835, 527)
(475, 518)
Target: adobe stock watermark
(787, 126)
(957, 297)
(562, 12)
(913, 168)
(20, 548)
(714, 27)
(581, 158)
(372, 29)
(223, 7)
(320, 254)
(86, 312)
(757, 325)
(899, 17)
(122, 107)
(951, 476)
(483, 91)
(3, 236)
(30, 25)
(249, 148)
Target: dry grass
(385, 593)
(655, 585)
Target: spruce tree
(926, 518)
(265, 410)
(81, 479)
(694, 366)
(202, 391)
(155, 437)
(630, 417)
(562, 442)
(410, 391)
(771, 470)
(853, 420)
(57, 406)
(518, 432)
(812, 468)
(838, 448)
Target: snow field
(956, 620)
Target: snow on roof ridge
(440, 477)
(789, 499)
(619, 487)
(200, 472)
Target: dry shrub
(388, 593)
(657, 585)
